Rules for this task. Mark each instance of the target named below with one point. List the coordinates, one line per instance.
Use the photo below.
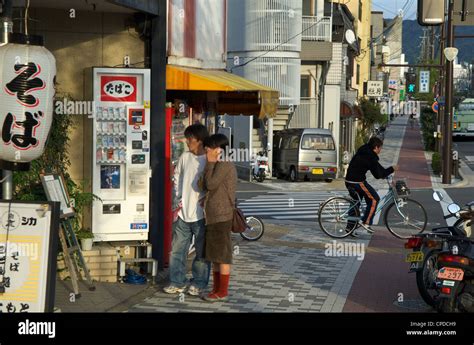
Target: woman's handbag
(238, 221)
(239, 224)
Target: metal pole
(447, 137)
(442, 62)
(7, 27)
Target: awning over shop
(237, 95)
(348, 110)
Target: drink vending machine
(121, 154)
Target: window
(286, 143)
(307, 8)
(277, 143)
(360, 10)
(305, 86)
(295, 142)
(317, 142)
(358, 75)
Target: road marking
(444, 205)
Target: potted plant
(86, 237)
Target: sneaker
(353, 233)
(194, 291)
(367, 227)
(171, 289)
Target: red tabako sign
(116, 88)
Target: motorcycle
(427, 248)
(260, 169)
(455, 278)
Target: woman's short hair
(217, 140)
(196, 131)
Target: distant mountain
(412, 33)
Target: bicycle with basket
(339, 216)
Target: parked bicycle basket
(401, 188)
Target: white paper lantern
(27, 72)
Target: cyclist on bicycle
(366, 158)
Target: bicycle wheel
(334, 218)
(407, 220)
(255, 229)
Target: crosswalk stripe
(279, 212)
(297, 217)
(259, 204)
(282, 207)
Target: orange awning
(237, 95)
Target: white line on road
(444, 205)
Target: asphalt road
(433, 209)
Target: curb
(464, 175)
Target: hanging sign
(28, 252)
(424, 81)
(27, 73)
(374, 88)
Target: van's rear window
(317, 142)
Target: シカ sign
(28, 251)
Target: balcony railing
(317, 28)
(306, 114)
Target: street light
(450, 53)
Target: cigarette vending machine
(121, 154)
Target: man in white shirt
(190, 216)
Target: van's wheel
(328, 180)
(293, 175)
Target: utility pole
(442, 62)
(447, 135)
(432, 43)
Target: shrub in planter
(86, 237)
(436, 163)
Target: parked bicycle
(339, 216)
(255, 229)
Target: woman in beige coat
(220, 182)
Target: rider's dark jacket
(364, 160)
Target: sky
(391, 7)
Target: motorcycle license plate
(318, 171)
(415, 257)
(451, 273)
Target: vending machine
(121, 154)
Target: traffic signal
(410, 83)
(431, 12)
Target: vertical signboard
(121, 156)
(28, 251)
(424, 82)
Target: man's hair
(375, 142)
(196, 131)
(217, 140)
